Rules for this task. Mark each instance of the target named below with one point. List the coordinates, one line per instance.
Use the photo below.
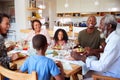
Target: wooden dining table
(68, 73)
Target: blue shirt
(44, 67)
(109, 62)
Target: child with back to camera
(44, 66)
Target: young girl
(60, 39)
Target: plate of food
(21, 55)
(77, 53)
(57, 47)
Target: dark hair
(32, 23)
(2, 15)
(65, 36)
(39, 42)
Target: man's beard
(99, 29)
(103, 34)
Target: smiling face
(101, 26)
(60, 35)
(91, 22)
(4, 26)
(105, 27)
(37, 26)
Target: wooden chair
(99, 77)
(12, 75)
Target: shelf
(33, 18)
(77, 14)
(34, 9)
(104, 13)
(34, 13)
(60, 14)
(90, 14)
(68, 14)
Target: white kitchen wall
(52, 13)
(109, 5)
(74, 6)
(88, 6)
(21, 17)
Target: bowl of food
(79, 50)
(77, 53)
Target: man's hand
(88, 51)
(83, 58)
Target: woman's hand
(11, 48)
(15, 56)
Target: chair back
(13, 75)
(99, 77)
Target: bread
(9, 43)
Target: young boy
(44, 66)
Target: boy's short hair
(39, 42)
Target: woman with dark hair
(4, 27)
(60, 38)
(45, 67)
(36, 26)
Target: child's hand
(59, 64)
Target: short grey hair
(110, 19)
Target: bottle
(33, 3)
(33, 14)
(29, 3)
